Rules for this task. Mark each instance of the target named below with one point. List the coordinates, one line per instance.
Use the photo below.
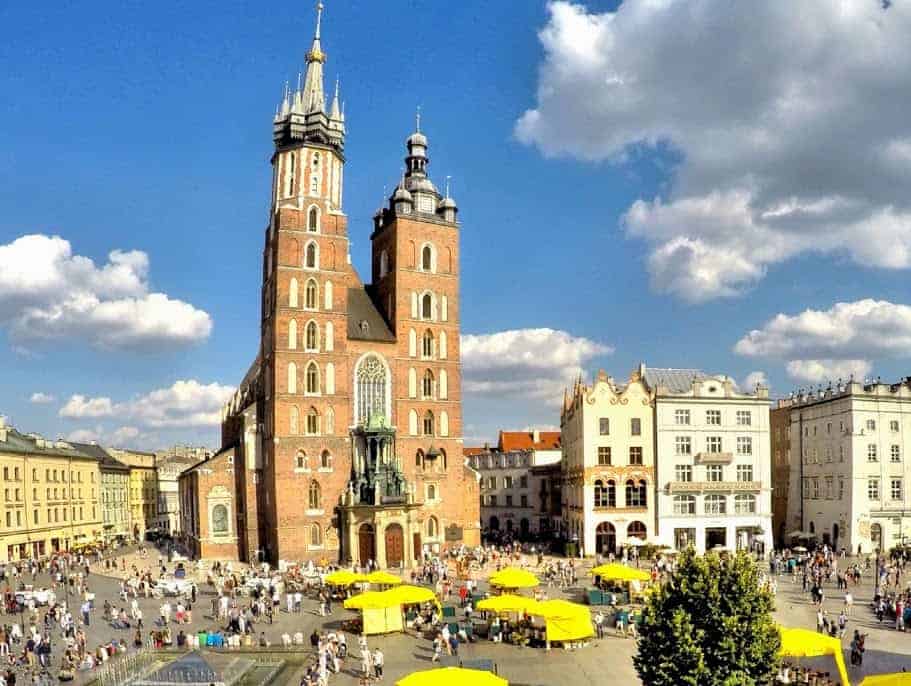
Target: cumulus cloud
(80, 407)
(754, 379)
(817, 371)
(85, 435)
(185, 404)
(790, 130)
(48, 293)
(123, 436)
(41, 398)
(528, 363)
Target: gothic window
(327, 296)
(312, 422)
(412, 422)
(311, 295)
(427, 258)
(300, 460)
(444, 423)
(316, 535)
(431, 492)
(433, 527)
(330, 422)
(444, 385)
(427, 344)
(419, 459)
(311, 256)
(444, 309)
(412, 343)
(311, 338)
(330, 379)
(427, 385)
(428, 423)
(316, 499)
(442, 345)
(292, 334)
(312, 378)
(313, 220)
(372, 383)
(444, 459)
(325, 460)
(427, 306)
(329, 339)
(292, 293)
(292, 377)
(294, 421)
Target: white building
(713, 466)
(168, 470)
(849, 472)
(608, 463)
(520, 483)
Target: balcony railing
(714, 458)
(713, 486)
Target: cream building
(849, 468)
(115, 493)
(713, 471)
(143, 492)
(608, 464)
(50, 496)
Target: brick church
(343, 441)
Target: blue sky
(623, 196)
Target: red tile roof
(468, 452)
(525, 440)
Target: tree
(710, 625)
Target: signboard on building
(453, 533)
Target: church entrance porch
(385, 534)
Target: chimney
(536, 436)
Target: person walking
(599, 623)
(378, 660)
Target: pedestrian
(849, 603)
(378, 660)
(366, 661)
(599, 623)
(437, 648)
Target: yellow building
(50, 496)
(143, 492)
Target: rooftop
(12, 441)
(529, 440)
(674, 380)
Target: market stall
(383, 611)
(808, 643)
(629, 583)
(452, 676)
(512, 578)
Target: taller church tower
(349, 423)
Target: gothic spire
(314, 100)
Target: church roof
(365, 323)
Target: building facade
(115, 493)
(50, 496)
(608, 466)
(207, 528)
(849, 468)
(347, 428)
(143, 492)
(168, 468)
(713, 468)
(780, 429)
(520, 484)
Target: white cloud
(48, 293)
(528, 363)
(762, 109)
(753, 379)
(85, 435)
(80, 407)
(817, 371)
(186, 403)
(124, 436)
(848, 330)
(41, 398)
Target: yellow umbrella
(452, 676)
(618, 572)
(344, 578)
(370, 600)
(407, 594)
(508, 603)
(807, 643)
(383, 578)
(510, 577)
(897, 679)
(560, 608)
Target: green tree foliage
(710, 625)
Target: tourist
(378, 660)
(599, 623)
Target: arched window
(330, 378)
(316, 498)
(292, 293)
(312, 422)
(427, 258)
(433, 527)
(311, 256)
(635, 494)
(316, 535)
(325, 460)
(443, 456)
(329, 340)
(444, 309)
(412, 422)
(611, 493)
(431, 492)
(444, 423)
(311, 339)
(744, 503)
(442, 347)
(300, 460)
(313, 220)
(372, 386)
(384, 264)
(427, 385)
(636, 530)
(444, 385)
(220, 519)
(412, 343)
(600, 494)
(311, 295)
(428, 423)
(292, 377)
(715, 504)
(312, 378)
(327, 296)
(419, 459)
(427, 306)
(294, 417)
(330, 422)
(292, 335)
(427, 344)
(412, 383)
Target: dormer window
(365, 327)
